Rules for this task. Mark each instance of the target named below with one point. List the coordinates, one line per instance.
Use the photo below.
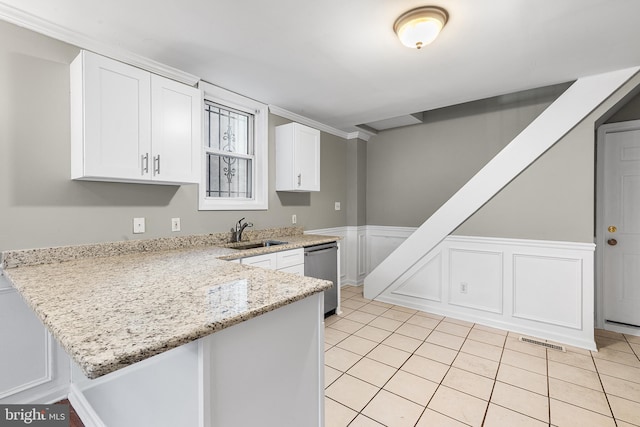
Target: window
(235, 152)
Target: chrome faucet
(236, 235)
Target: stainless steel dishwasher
(321, 262)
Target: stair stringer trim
(576, 103)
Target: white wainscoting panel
(33, 368)
(424, 280)
(476, 279)
(381, 241)
(547, 289)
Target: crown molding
(58, 32)
(317, 125)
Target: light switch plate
(175, 224)
(337, 206)
(138, 225)
(294, 219)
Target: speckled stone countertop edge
(37, 256)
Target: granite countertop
(109, 312)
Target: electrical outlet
(138, 225)
(294, 219)
(337, 206)
(175, 224)
(464, 287)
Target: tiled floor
(392, 366)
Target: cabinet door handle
(156, 165)
(144, 163)
(299, 179)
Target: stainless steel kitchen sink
(253, 245)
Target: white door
(176, 146)
(621, 222)
(117, 119)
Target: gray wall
(412, 171)
(40, 206)
(630, 111)
(356, 182)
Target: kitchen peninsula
(167, 332)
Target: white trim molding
(365, 136)
(58, 32)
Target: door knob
(612, 242)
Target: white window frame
(260, 112)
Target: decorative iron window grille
(230, 152)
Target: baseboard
(83, 408)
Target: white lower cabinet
(33, 367)
(291, 261)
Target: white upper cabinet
(297, 158)
(128, 125)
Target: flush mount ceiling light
(419, 27)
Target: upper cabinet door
(297, 158)
(176, 123)
(117, 118)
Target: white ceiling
(338, 61)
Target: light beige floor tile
(371, 308)
(398, 315)
(624, 424)
(578, 350)
(414, 331)
(453, 329)
(351, 392)
(389, 355)
(487, 337)
(477, 365)
(346, 325)
(345, 311)
(372, 333)
(617, 356)
(632, 338)
(337, 415)
(534, 350)
(382, 304)
(331, 319)
(621, 388)
(573, 359)
(460, 406)
(385, 323)
(520, 400)
(636, 349)
(608, 334)
(425, 368)
(579, 396)
(360, 298)
(362, 421)
(524, 361)
(391, 410)
(618, 370)
(352, 304)
(625, 410)
(412, 387)
(357, 345)
(327, 346)
(523, 378)
(334, 336)
(432, 418)
(437, 352)
(459, 322)
(566, 415)
(431, 315)
(405, 309)
(613, 344)
(497, 331)
(340, 359)
(481, 349)
(445, 340)
(372, 371)
(468, 382)
(361, 317)
(575, 375)
(497, 416)
(330, 375)
(402, 342)
(420, 320)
